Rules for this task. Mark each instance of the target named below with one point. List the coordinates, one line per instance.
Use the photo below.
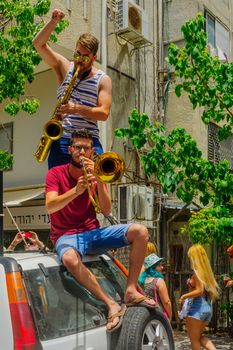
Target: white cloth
(185, 308)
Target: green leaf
(6, 160)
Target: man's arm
(101, 111)
(53, 59)
(55, 202)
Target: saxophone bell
(52, 131)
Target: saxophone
(53, 129)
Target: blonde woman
(151, 248)
(203, 290)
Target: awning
(169, 204)
(16, 195)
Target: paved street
(221, 341)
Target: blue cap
(151, 260)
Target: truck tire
(145, 329)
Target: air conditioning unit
(136, 204)
(132, 23)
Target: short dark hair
(89, 41)
(81, 133)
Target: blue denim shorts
(59, 154)
(96, 241)
(201, 309)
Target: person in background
(91, 96)
(31, 236)
(227, 280)
(151, 248)
(203, 291)
(152, 281)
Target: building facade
(134, 37)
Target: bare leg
(74, 265)
(137, 235)
(195, 329)
(206, 342)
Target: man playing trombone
(91, 95)
(75, 230)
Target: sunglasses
(77, 56)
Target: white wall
(129, 85)
(27, 131)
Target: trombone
(109, 167)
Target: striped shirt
(84, 92)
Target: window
(217, 36)
(61, 306)
(217, 150)
(6, 137)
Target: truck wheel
(143, 329)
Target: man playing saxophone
(75, 230)
(91, 95)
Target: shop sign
(27, 218)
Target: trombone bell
(109, 167)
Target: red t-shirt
(77, 216)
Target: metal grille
(217, 150)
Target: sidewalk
(221, 341)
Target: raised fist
(57, 15)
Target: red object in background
(27, 234)
(230, 251)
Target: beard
(76, 164)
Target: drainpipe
(103, 125)
(160, 56)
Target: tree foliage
(178, 164)
(20, 20)
(174, 158)
(207, 80)
(6, 160)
